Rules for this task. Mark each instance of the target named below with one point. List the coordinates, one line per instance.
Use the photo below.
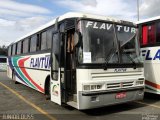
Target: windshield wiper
(133, 62)
(112, 50)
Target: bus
(149, 37)
(82, 60)
(3, 63)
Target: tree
(3, 50)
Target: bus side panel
(151, 69)
(31, 70)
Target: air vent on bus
(119, 85)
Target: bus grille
(111, 75)
(120, 85)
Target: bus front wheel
(47, 89)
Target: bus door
(55, 83)
(70, 71)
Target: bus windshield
(101, 43)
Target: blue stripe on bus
(10, 64)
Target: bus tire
(47, 88)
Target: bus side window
(25, 45)
(19, 47)
(9, 51)
(14, 49)
(33, 43)
(3, 60)
(43, 41)
(148, 34)
(152, 34)
(158, 33)
(49, 38)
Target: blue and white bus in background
(3, 63)
(149, 37)
(82, 60)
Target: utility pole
(138, 10)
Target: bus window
(25, 45)
(144, 40)
(33, 43)
(3, 60)
(19, 47)
(9, 51)
(43, 41)
(151, 34)
(14, 49)
(49, 38)
(158, 33)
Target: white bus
(82, 60)
(3, 63)
(149, 37)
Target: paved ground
(20, 102)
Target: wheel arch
(46, 85)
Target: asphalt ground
(20, 102)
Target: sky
(18, 17)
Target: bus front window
(97, 42)
(101, 46)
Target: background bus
(82, 60)
(3, 63)
(150, 46)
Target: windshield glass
(100, 44)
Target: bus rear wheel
(14, 77)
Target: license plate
(120, 95)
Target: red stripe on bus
(152, 84)
(21, 63)
(144, 35)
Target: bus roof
(148, 20)
(71, 15)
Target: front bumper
(88, 100)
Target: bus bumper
(88, 100)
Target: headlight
(92, 87)
(86, 87)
